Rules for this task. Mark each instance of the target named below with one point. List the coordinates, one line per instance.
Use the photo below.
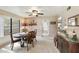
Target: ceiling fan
(68, 8)
(35, 13)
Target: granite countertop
(67, 38)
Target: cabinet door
(65, 46)
(74, 48)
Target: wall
(52, 28)
(72, 12)
(6, 17)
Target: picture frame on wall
(52, 22)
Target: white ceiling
(47, 10)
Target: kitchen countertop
(67, 38)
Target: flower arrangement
(24, 30)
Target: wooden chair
(33, 35)
(11, 35)
(30, 39)
(14, 41)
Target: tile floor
(43, 45)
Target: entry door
(45, 27)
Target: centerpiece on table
(24, 24)
(24, 30)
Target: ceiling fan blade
(34, 11)
(30, 14)
(27, 12)
(40, 13)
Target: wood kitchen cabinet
(64, 44)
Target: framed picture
(52, 22)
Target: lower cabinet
(65, 46)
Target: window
(6, 25)
(1, 27)
(15, 25)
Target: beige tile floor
(4, 41)
(43, 45)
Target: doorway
(45, 28)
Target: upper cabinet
(73, 21)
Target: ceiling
(47, 10)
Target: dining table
(20, 35)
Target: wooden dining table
(20, 35)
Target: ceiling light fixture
(35, 12)
(69, 7)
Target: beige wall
(52, 28)
(73, 11)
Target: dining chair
(11, 36)
(30, 39)
(14, 41)
(33, 33)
